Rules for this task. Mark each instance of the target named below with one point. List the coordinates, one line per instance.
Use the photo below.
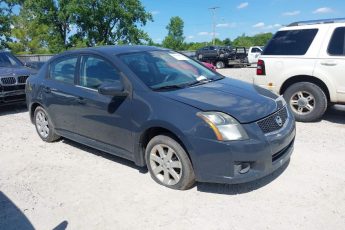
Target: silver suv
(305, 62)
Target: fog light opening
(243, 167)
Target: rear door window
(291, 42)
(336, 46)
(63, 70)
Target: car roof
(314, 24)
(115, 50)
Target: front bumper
(12, 94)
(218, 162)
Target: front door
(102, 118)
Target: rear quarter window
(336, 45)
(290, 42)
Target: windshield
(167, 69)
(8, 60)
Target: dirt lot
(66, 185)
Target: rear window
(290, 42)
(337, 44)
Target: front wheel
(307, 101)
(168, 163)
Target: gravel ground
(65, 185)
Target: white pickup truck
(253, 54)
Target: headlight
(225, 127)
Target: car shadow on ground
(11, 217)
(105, 155)
(335, 114)
(13, 109)
(235, 189)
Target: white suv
(305, 62)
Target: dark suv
(13, 75)
(162, 110)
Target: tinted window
(63, 70)
(94, 71)
(291, 42)
(337, 43)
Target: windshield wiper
(201, 82)
(169, 87)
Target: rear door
(106, 119)
(331, 62)
(58, 92)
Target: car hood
(245, 102)
(16, 71)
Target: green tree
(5, 23)
(243, 41)
(262, 39)
(227, 42)
(109, 22)
(30, 36)
(57, 15)
(256, 40)
(175, 39)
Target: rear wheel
(168, 163)
(44, 126)
(220, 65)
(307, 101)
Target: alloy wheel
(302, 102)
(42, 124)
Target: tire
(44, 126)
(169, 164)
(307, 101)
(220, 65)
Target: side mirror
(112, 89)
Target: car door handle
(81, 100)
(330, 63)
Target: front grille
(8, 80)
(22, 79)
(270, 124)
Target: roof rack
(321, 21)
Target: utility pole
(213, 9)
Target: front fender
(139, 154)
